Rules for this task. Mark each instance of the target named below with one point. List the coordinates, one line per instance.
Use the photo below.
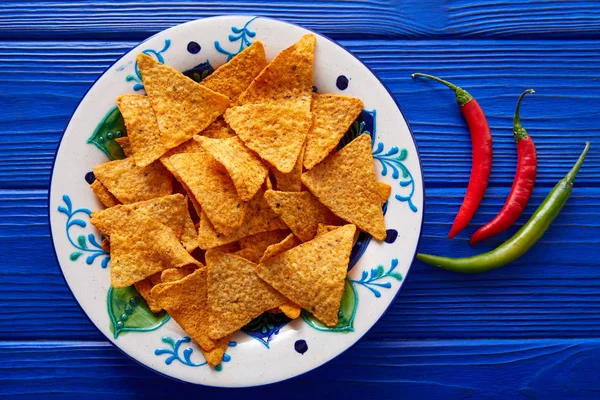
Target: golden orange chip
(274, 130)
(186, 300)
(143, 246)
(228, 248)
(218, 130)
(312, 274)
(290, 309)
(289, 75)
(130, 183)
(189, 234)
(105, 245)
(322, 229)
(301, 212)
(183, 108)
(232, 78)
(261, 241)
(145, 286)
(384, 191)
(175, 274)
(332, 116)
(249, 254)
(236, 295)
(215, 356)
(169, 210)
(259, 218)
(289, 242)
(125, 145)
(245, 169)
(290, 182)
(212, 186)
(345, 182)
(142, 128)
(103, 194)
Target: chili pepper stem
(518, 130)
(462, 96)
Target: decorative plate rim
(225, 17)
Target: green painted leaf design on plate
(110, 128)
(129, 312)
(347, 312)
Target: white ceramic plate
(271, 348)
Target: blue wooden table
(527, 331)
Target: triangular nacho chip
(183, 108)
(186, 300)
(130, 183)
(289, 75)
(345, 182)
(234, 77)
(125, 145)
(211, 185)
(260, 241)
(142, 128)
(215, 356)
(189, 234)
(290, 182)
(312, 275)
(332, 116)
(245, 169)
(145, 286)
(249, 254)
(288, 243)
(259, 218)
(236, 295)
(168, 210)
(103, 194)
(301, 212)
(142, 247)
(274, 130)
(384, 191)
(218, 130)
(175, 274)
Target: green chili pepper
(523, 240)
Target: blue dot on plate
(300, 346)
(193, 47)
(391, 235)
(90, 177)
(341, 82)
(315, 89)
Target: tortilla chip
(130, 183)
(183, 108)
(290, 309)
(175, 274)
(249, 254)
(269, 183)
(345, 182)
(215, 356)
(331, 118)
(105, 245)
(274, 130)
(125, 145)
(312, 275)
(189, 234)
(245, 169)
(234, 77)
(301, 212)
(218, 130)
(259, 218)
(322, 229)
(286, 244)
(289, 75)
(142, 128)
(261, 241)
(228, 248)
(168, 210)
(236, 295)
(290, 182)
(105, 197)
(142, 247)
(384, 191)
(211, 185)
(145, 286)
(186, 300)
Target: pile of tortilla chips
(232, 200)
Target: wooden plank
(113, 19)
(490, 369)
(44, 81)
(554, 291)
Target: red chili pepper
(522, 184)
(481, 140)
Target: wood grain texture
(44, 82)
(552, 292)
(414, 19)
(490, 369)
